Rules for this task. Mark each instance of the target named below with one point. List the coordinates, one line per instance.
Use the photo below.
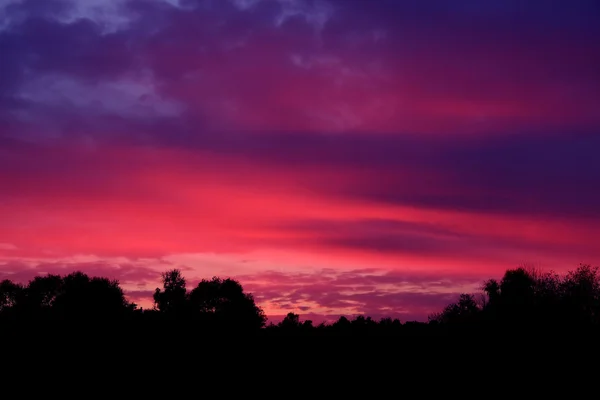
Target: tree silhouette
(517, 288)
(466, 310)
(82, 297)
(172, 299)
(39, 296)
(75, 296)
(581, 295)
(291, 321)
(342, 325)
(223, 302)
(10, 292)
(492, 288)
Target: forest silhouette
(524, 298)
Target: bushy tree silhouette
(290, 322)
(223, 302)
(39, 296)
(82, 297)
(75, 297)
(581, 295)
(465, 311)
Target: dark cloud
(481, 41)
(528, 174)
(551, 175)
(77, 49)
(431, 240)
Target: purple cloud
(398, 295)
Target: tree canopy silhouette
(223, 301)
(523, 298)
(216, 302)
(75, 297)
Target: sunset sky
(336, 157)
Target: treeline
(522, 299)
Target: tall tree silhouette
(492, 288)
(518, 297)
(172, 299)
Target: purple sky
(336, 156)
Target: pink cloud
(328, 294)
(24, 270)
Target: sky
(337, 157)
